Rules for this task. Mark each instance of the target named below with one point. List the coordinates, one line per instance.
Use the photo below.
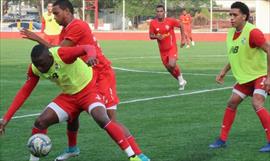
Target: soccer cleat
(68, 153)
(143, 157)
(33, 158)
(135, 158)
(187, 46)
(182, 85)
(266, 148)
(218, 144)
(192, 43)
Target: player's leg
(107, 88)
(99, 114)
(72, 150)
(258, 99)
(187, 36)
(236, 98)
(130, 138)
(46, 118)
(170, 62)
(53, 114)
(190, 36)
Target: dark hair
(64, 4)
(242, 7)
(160, 6)
(39, 50)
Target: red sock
(117, 135)
(176, 72)
(134, 145)
(228, 119)
(72, 138)
(265, 120)
(36, 131)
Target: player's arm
(182, 32)
(43, 23)
(152, 35)
(222, 74)
(266, 48)
(70, 54)
(34, 37)
(20, 98)
(257, 40)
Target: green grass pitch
(168, 124)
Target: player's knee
(41, 123)
(232, 104)
(257, 104)
(100, 116)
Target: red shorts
(166, 54)
(248, 89)
(106, 84)
(52, 39)
(68, 107)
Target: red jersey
(165, 28)
(256, 38)
(80, 33)
(186, 19)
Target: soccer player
(249, 60)
(49, 27)
(162, 29)
(186, 19)
(78, 84)
(77, 32)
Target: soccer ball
(39, 145)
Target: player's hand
(3, 124)
(29, 35)
(92, 61)
(266, 84)
(159, 36)
(220, 78)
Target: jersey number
(234, 49)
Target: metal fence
(212, 17)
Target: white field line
(158, 57)
(153, 72)
(147, 99)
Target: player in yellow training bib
(249, 61)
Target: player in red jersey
(77, 32)
(249, 61)
(162, 29)
(186, 19)
(79, 92)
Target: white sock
(129, 151)
(180, 78)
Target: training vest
(71, 78)
(51, 26)
(246, 63)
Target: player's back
(80, 33)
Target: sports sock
(36, 131)
(72, 138)
(264, 116)
(228, 119)
(176, 72)
(132, 142)
(118, 136)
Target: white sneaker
(187, 46)
(182, 85)
(68, 153)
(33, 158)
(192, 43)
